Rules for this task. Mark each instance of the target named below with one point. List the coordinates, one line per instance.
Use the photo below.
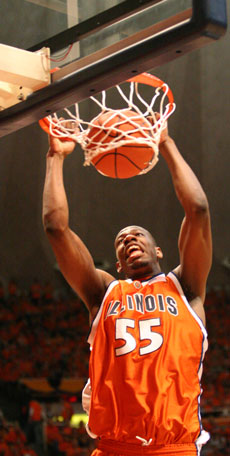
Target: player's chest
(136, 301)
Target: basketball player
(148, 335)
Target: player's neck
(145, 276)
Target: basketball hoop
(116, 128)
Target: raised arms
(72, 255)
(74, 259)
(195, 245)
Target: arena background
(100, 207)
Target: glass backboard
(98, 44)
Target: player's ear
(159, 253)
(118, 266)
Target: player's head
(137, 253)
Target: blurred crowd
(216, 374)
(44, 437)
(42, 331)
(215, 404)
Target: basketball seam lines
(115, 155)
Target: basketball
(126, 160)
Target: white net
(114, 128)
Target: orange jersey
(147, 348)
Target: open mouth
(133, 251)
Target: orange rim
(149, 79)
(144, 78)
(45, 124)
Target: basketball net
(145, 121)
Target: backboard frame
(93, 24)
(207, 24)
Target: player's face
(136, 252)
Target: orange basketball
(124, 161)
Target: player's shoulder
(107, 282)
(106, 278)
(177, 271)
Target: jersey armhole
(179, 288)
(97, 317)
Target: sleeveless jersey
(147, 348)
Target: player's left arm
(195, 241)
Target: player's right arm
(195, 239)
(73, 257)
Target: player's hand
(61, 146)
(164, 134)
